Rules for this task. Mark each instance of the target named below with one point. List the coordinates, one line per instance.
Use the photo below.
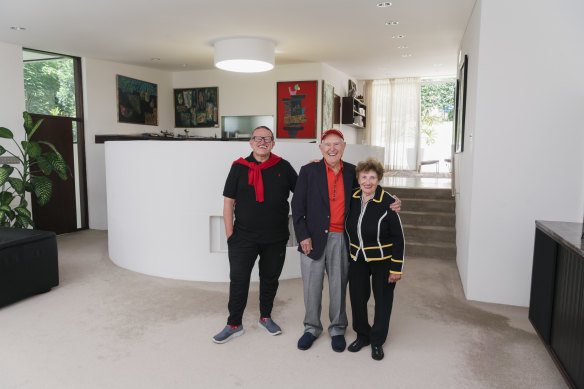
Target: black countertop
(567, 233)
(108, 137)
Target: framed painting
(328, 100)
(296, 109)
(352, 89)
(196, 107)
(137, 101)
(460, 109)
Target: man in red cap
(320, 202)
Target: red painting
(296, 116)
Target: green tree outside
(436, 106)
(49, 87)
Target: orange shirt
(336, 192)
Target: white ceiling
(349, 35)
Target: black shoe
(305, 341)
(377, 352)
(338, 343)
(357, 345)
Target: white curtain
(393, 110)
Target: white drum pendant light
(246, 55)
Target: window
(49, 84)
(437, 119)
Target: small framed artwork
(296, 109)
(352, 90)
(460, 109)
(328, 100)
(137, 101)
(196, 107)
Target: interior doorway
(53, 92)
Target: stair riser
(413, 250)
(429, 236)
(423, 205)
(408, 193)
(446, 220)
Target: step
(437, 234)
(428, 205)
(444, 219)
(420, 193)
(430, 250)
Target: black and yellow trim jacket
(375, 231)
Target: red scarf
(255, 173)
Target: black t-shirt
(267, 221)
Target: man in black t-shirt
(256, 191)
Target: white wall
(245, 93)
(340, 81)
(464, 161)
(11, 92)
(239, 94)
(255, 93)
(526, 157)
(100, 96)
(180, 236)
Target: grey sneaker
(270, 326)
(228, 333)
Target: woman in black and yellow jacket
(376, 247)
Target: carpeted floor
(107, 327)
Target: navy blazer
(311, 206)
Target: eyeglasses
(258, 139)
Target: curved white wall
(162, 196)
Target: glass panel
(77, 178)
(49, 84)
(437, 123)
(242, 126)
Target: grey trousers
(334, 261)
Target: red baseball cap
(331, 131)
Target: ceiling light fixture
(402, 47)
(407, 55)
(245, 55)
(17, 28)
(391, 23)
(154, 59)
(384, 4)
(399, 36)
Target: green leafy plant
(35, 164)
(430, 135)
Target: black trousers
(364, 276)
(242, 257)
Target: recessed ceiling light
(384, 4)
(402, 47)
(391, 23)
(406, 55)
(16, 28)
(154, 59)
(399, 36)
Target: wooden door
(60, 214)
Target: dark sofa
(28, 263)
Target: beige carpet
(107, 327)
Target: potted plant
(34, 165)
